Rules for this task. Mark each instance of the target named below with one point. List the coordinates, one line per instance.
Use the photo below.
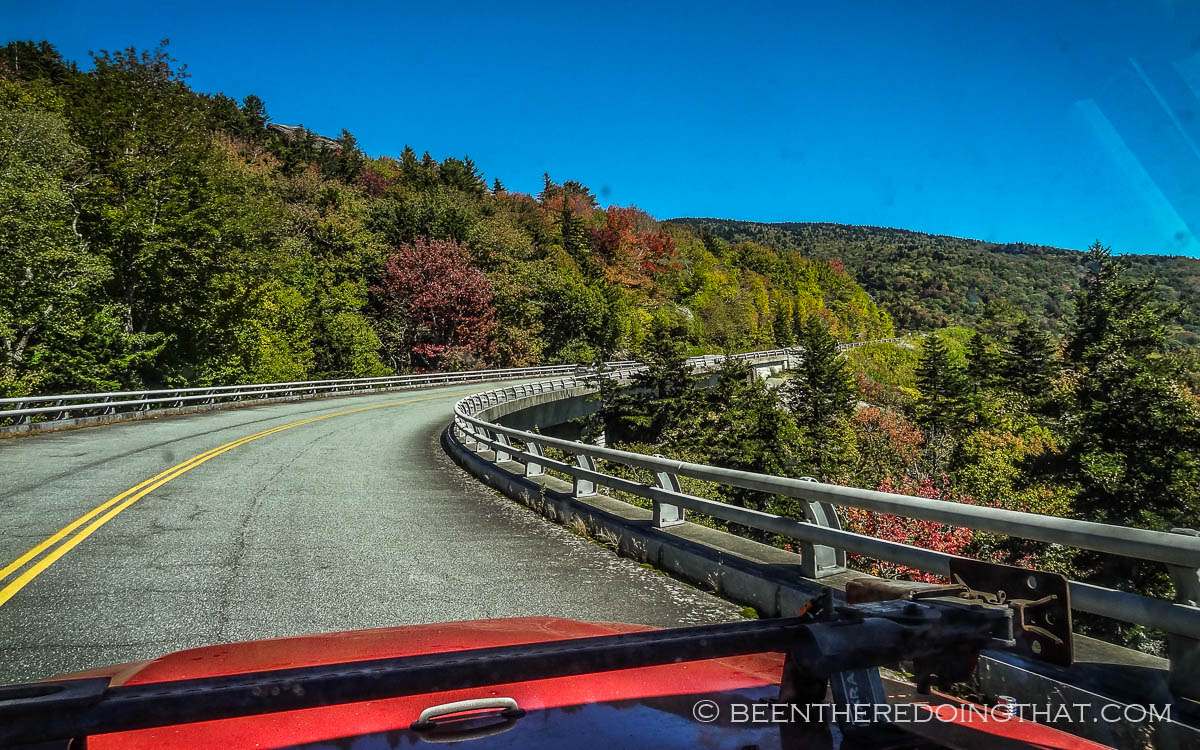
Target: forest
(927, 281)
(1098, 424)
(156, 236)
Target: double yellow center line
(72, 534)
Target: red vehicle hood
(625, 708)
(289, 728)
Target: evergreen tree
(573, 231)
(28, 61)
(1135, 436)
(821, 397)
(345, 161)
(942, 385)
(410, 167)
(999, 319)
(254, 117)
(428, 172)
(984, 363)
(821, 390)
(223, 113)
(1029, 361)
(661, 396)
(781, 322)
(748, 429)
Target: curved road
(337, 521)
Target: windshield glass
(316, 320)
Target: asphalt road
(352, 521)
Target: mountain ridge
(929, 280)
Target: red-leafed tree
(932, 535)
(631, 257)
(433, 310)
(373, 182)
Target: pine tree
(750, 430)
(1135, 445)
(410, 167)
(428, 172)
(781, 322)
(984, 363)
(1029, 362)
(346, 161)
(573, 231)
(999, 319)
(821, 390)
(942, 385)
(661, 396)
(821, 397)
(254, 117)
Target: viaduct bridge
(337, 505)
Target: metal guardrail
(824, 543)
(24, 409)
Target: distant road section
(126, 541)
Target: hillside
(153, 235)
(927, 281)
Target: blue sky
(1054, 123)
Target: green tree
(821, 390)
(821, 396)
(942, 384)
(1029, 361)
(744, 426)
(984, 361)
(661, 396)
(1000, 319)
(47, 271)
(1135, 436)
(781, 321)
(344, 161)
(254, 118)
(163, 209)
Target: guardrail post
(532, 468)
(793, 359)
(502, 439)
(1184, 652)
(468, 436)
(584, 487)
(24, 418)
(820, 560)
(665, 514)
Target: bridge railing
(23, 409)
(823, 542)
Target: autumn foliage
(940, 537)
(442, 306)
(631, 257)
(888, 444)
